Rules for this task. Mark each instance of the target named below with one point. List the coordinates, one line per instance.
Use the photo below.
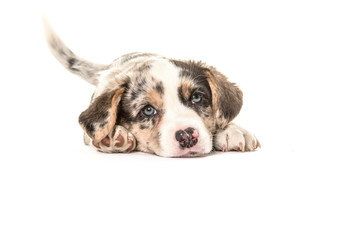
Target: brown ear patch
(214, 91)
(100, 117)
(227, 97)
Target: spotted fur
(148, 99)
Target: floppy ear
(227, 98)
(100, 117)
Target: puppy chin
(188, 153)
(177, 152)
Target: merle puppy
(159, 105)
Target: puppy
(158, 105)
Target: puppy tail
(87, 70)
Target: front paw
(235, 138)
(118, 141)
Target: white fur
(234, 137)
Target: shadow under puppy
(155, 104)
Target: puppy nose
(187, 138)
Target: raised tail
(87, 70)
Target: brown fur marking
(154, 98)
(186, 87)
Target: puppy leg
(118, 141)
(235, 138)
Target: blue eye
(149, 110)
(196, 98)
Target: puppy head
(172, 107)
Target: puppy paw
(118, 141)
(235, 138)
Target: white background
(297, 63)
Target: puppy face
(172, 107)
(163, 100)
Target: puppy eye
(149, 110)
(196, 98)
